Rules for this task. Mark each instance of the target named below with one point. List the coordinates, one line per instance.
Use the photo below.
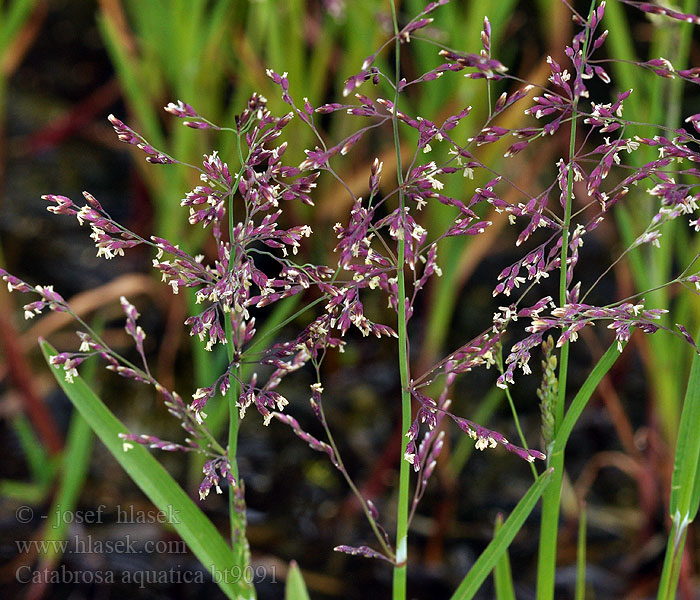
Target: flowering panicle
(313, 443)
(265, 399)
(134, 331)
(383, 246)
(427, 456)
(423, 456)
(129, 136)
(229, 286)
(192, 118)
(484, 67)
(154, 442)
(213, 470)
(573, 317)
(537, 264)
(254, 111)
(484, 438)
(91, 345)
(364, 551)
(658, 9)
(111, 239)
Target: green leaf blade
(196, 530)
(295, 588)
(685, 482)
(487, 561)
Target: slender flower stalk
(400, 568)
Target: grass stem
(399, 582)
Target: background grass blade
(502, 573)
(685, 484)
(74, 470)
(295, 588)
(487, 561)
(581, 555)
(196, 530)
(685, 490)
(14, 16)
(41, 465)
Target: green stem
(547, 556)
(580, 593)
(399, 584)
(672, 568)
(236, 499)
(404, 472)
(549, 529)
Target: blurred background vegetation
(64, 66)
